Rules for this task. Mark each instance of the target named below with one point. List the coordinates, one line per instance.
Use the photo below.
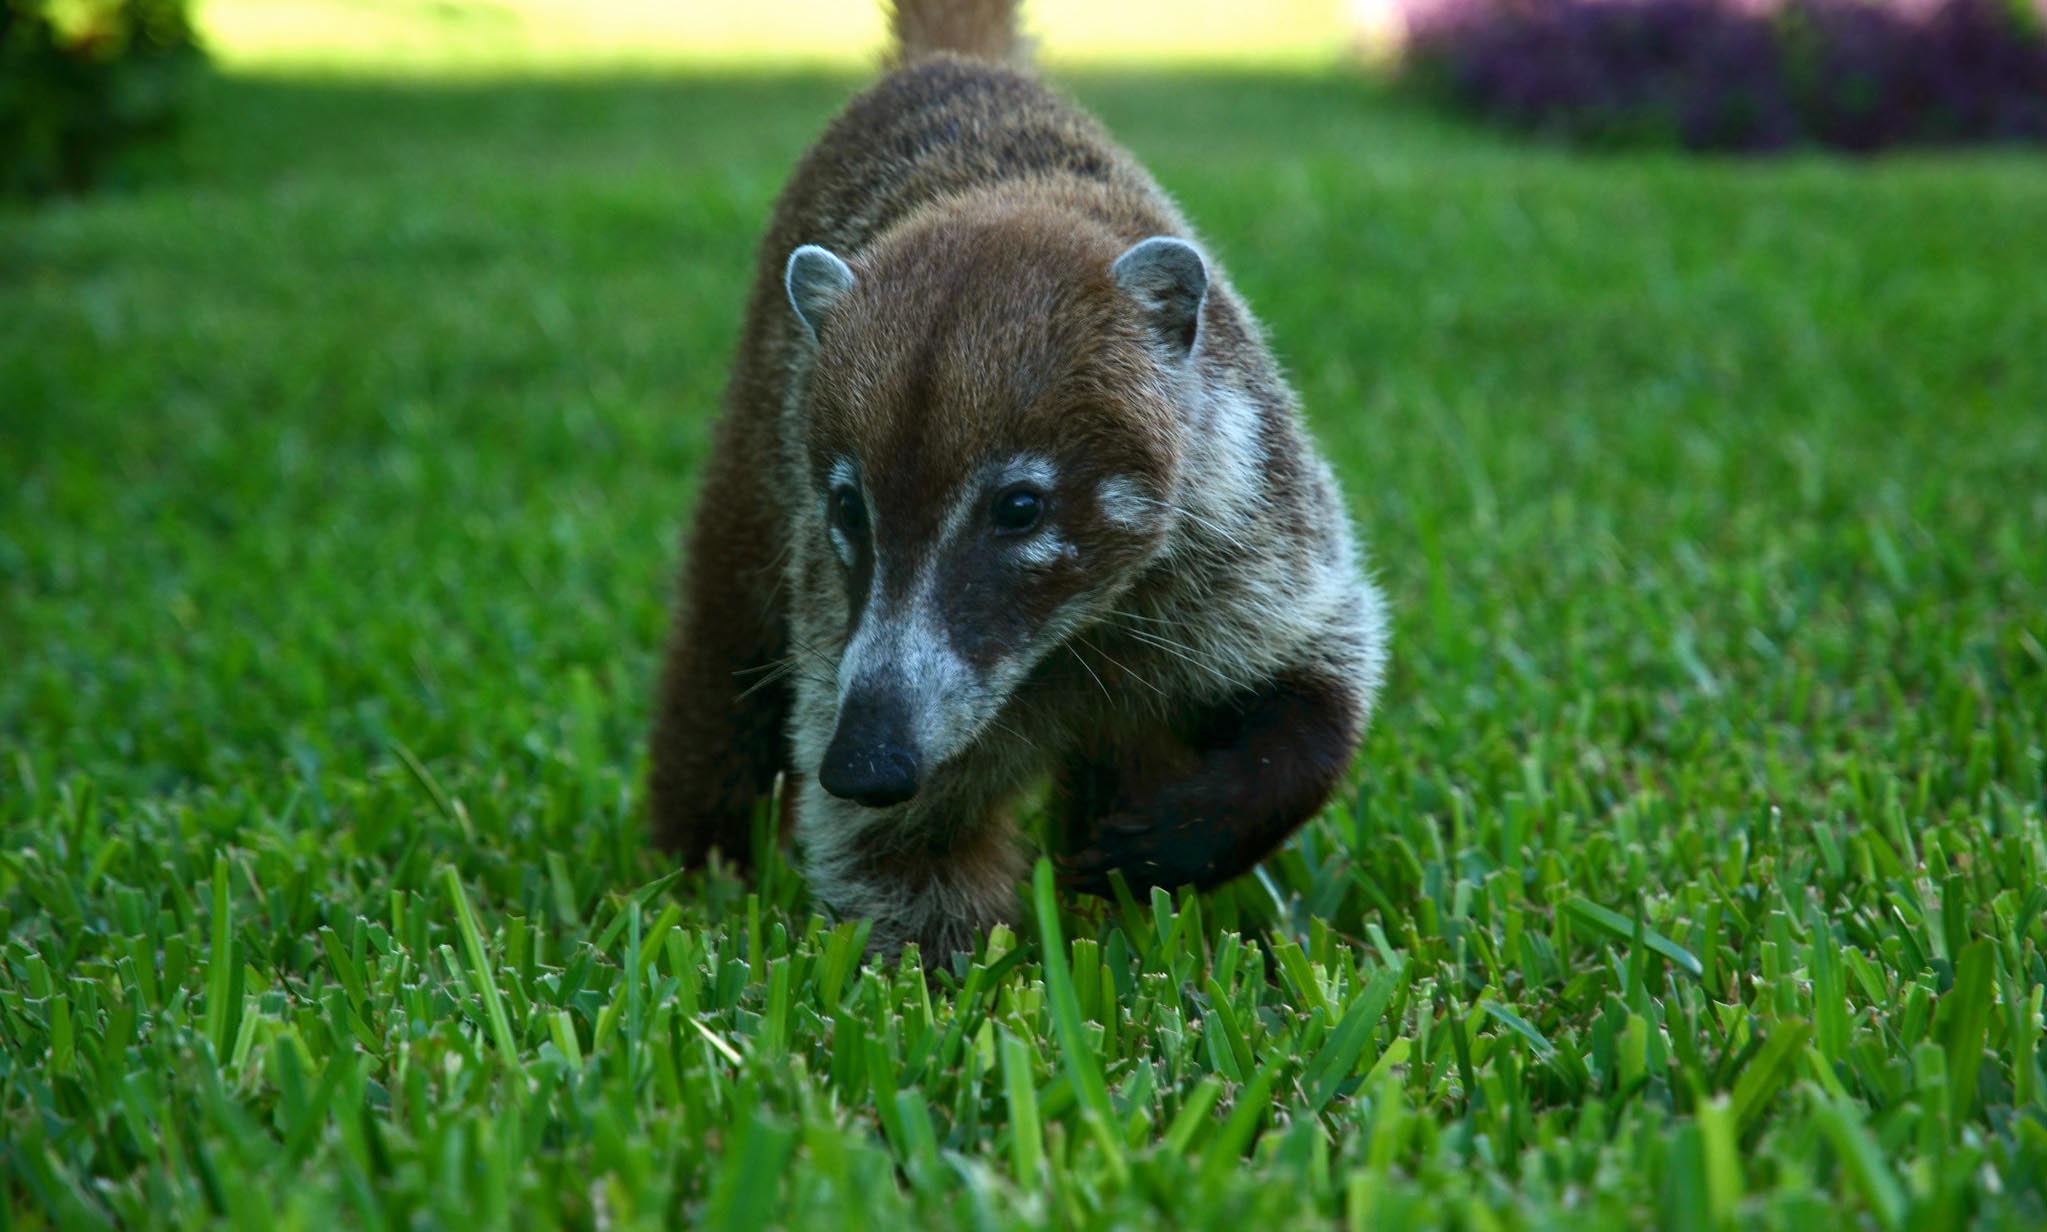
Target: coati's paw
(1147, 851)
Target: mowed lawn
(1694, 874)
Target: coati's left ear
(1168, 279)
(816, 279)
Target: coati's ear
(1168, 279)
(816, 280)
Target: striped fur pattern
(969, 292)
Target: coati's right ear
(1169, 280)
(816, 279)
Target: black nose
(872, 759)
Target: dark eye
(1017, 510)
(848, 514)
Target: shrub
(77, 86)
(1741, 74)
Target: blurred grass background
(486, 35)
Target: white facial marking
(907, 645)
(842, 476)
(1122, 502)
(957, 517)
(1030, 468)
(1040, 550)
(905, 641)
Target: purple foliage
(1743, 74)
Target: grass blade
(1618, 927)
(479, 968)
(1079, 1063)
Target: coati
(1007, 487)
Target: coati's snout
(873, 758)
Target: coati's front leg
(719, 721)
(1260, 766)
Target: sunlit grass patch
(567, 35)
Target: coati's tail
(985, 28)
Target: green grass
(1693, 874)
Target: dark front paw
(1147, 852)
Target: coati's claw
(1148, 853)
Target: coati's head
(993, 419)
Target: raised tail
(985, 28)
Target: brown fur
(1191, 720)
